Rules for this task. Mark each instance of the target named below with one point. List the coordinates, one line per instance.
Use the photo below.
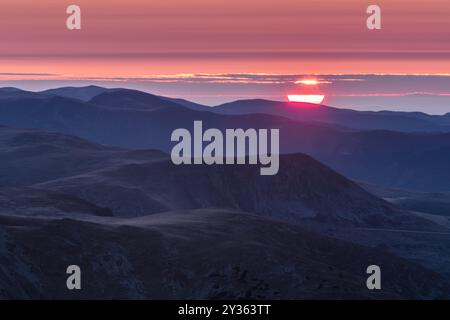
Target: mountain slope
(202, 254)
(33, 202)
(188, 104)
(32, 156)
(134, 183)
(302, 190)
(433, 203)
(393, 159)
(103, 180)
(15, 93)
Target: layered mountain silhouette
(126, 183)
(125, 99)
(82, 189)
(136, 183)
(367, 120)
(79, 93)
(137, 120)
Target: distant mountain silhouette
(367, 120)
(80, 93)
(189, 104)
(304, 112)
(137, 120)
(89, 92)
(14, 93)
(433, 203)
(125, 99)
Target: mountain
(32, 156)
(141, 227)
(79, 93)
(361, 120)
(435, 203)
(188, 104)
(131, 119)
(393, 159)
(89, 92)
(200, 254)
(126, 99)
(303, 189)
(304, 192)
(135, 183)
(15, 93)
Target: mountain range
(134, 183)
(86, 179)
(133, 119)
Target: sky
(212, 51)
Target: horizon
(188, 49)
(42, 90)
(228, 150)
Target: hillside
(202, 254)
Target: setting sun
(311, 82)
(308, 82)
(308, 98)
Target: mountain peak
(80, 93)
(129, 99)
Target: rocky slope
(201, 254)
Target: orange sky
(141, 37)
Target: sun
(306, 98)
(308, 82)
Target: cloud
(27, 74)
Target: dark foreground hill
(34, 202)
(202, 254)
(303, 189)
(136, 183)
(86, 184)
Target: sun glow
(308, 82)
(308, 98)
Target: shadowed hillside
(203, 254)
(303, 189)
(76, 200)
(135, 183)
